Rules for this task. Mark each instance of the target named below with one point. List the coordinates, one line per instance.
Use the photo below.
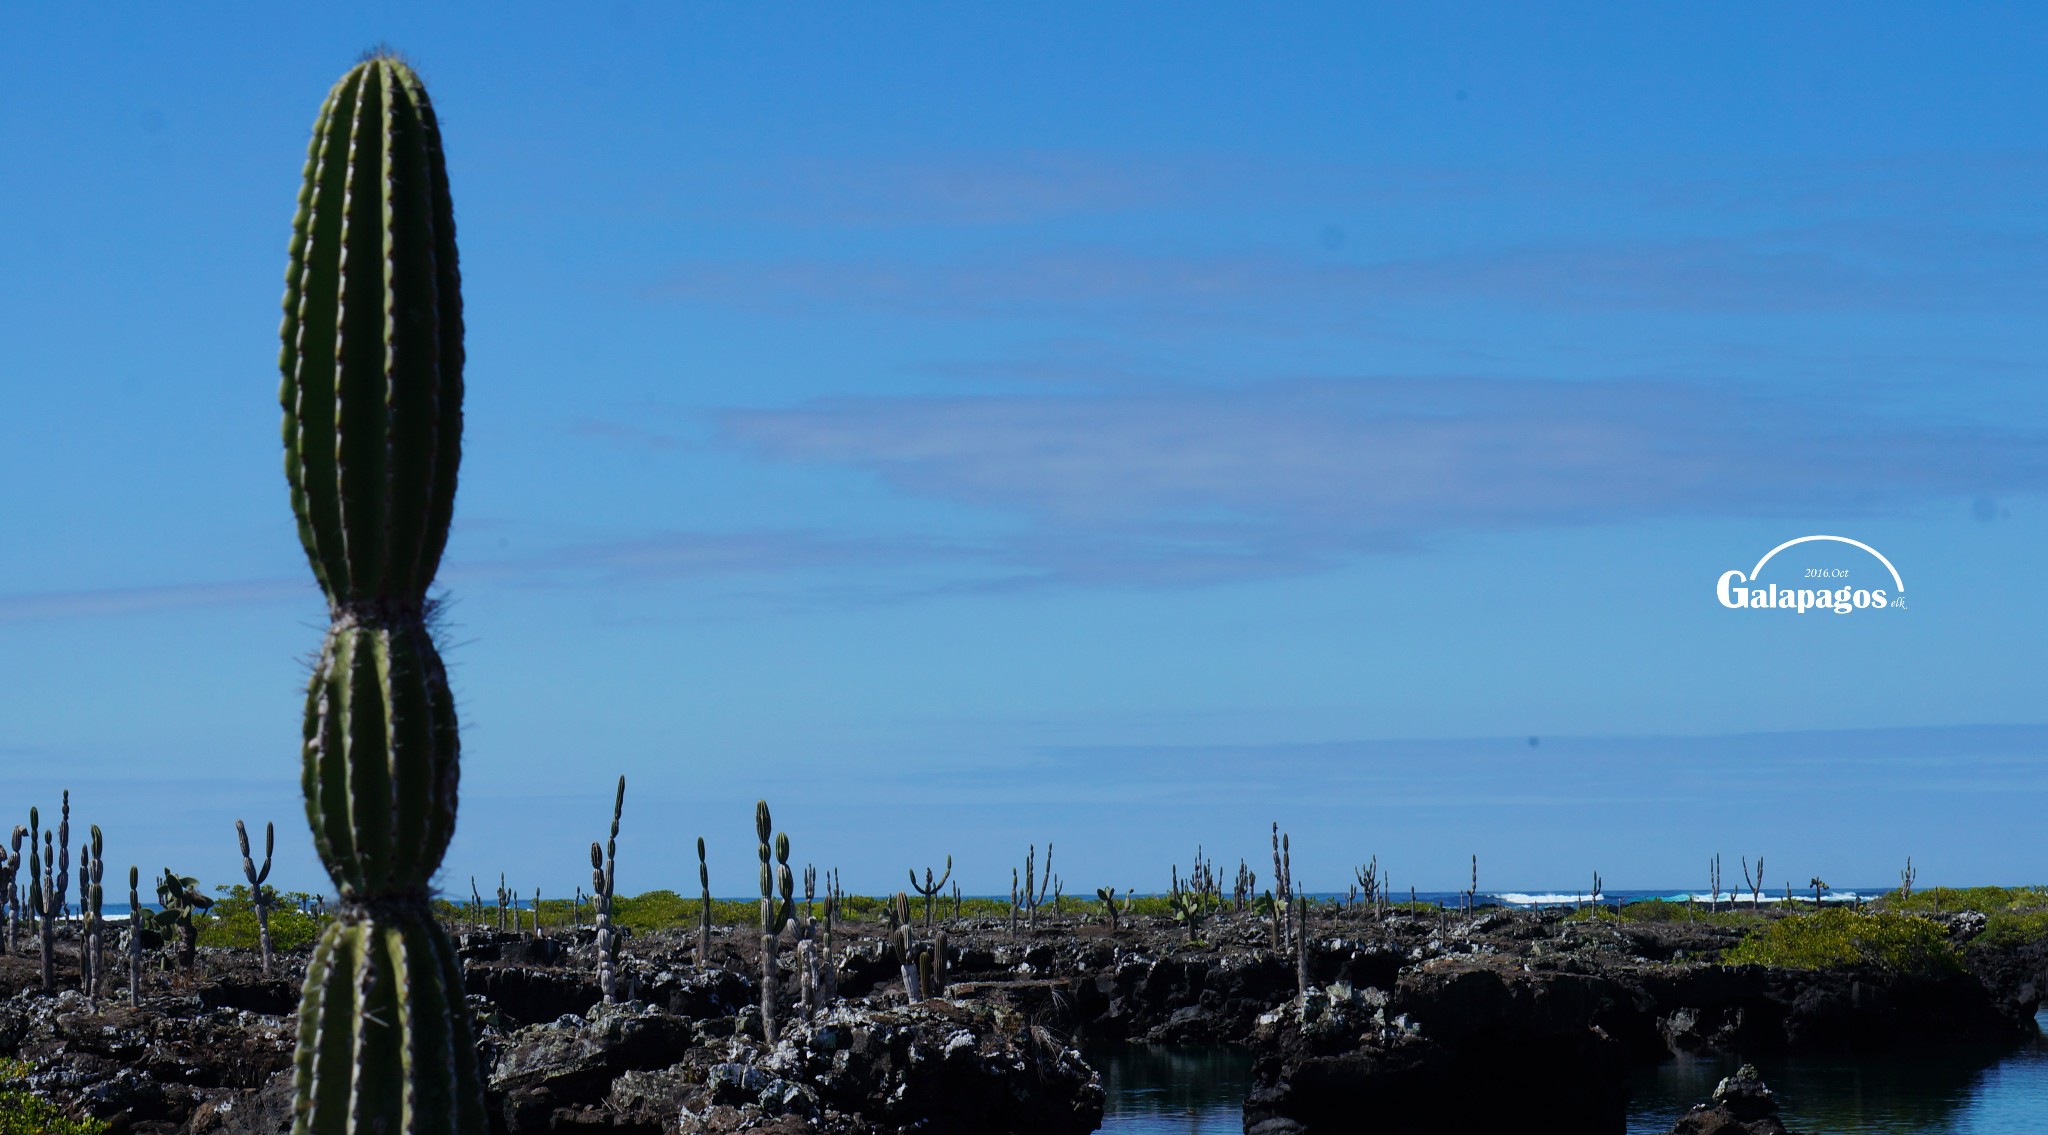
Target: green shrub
(1832, 939)
(1948, 900)
(1662, 910)
(2009, 929)
(23, 1113)
(232, 921)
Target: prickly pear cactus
(372, 394)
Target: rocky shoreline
(1403, 1013)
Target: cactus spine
(372, 395)
(255, 875)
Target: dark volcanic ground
(1401, 1010)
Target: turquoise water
(1172, 1089)
(1199, 1090)
(1956, 1091)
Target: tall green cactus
(372, 394)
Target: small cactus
(1189, 907)
(183, 902)
(1301, 949)
(930, 889)
(10, 902)
(604, 863)
(703, 907)
(1110, 907)
(764, 826)
(55, 882)
(257, 893)
(903, 944)
(134, 936)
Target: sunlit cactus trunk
(372, 394)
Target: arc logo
(1738, 590)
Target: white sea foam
(1727, 898)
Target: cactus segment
(379, 1048)
(381, 770)
(372, 332)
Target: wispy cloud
(114, 601)
(1538, 772)
(1847, 266)
(1271, 478)
(1028, 186)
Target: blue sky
(1122, 427)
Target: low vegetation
(24, 1113)
(1838, 938)
(1661, 910)
(231, 921)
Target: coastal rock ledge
(1428, 1054)
(936, 1066)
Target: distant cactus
(828, 969)
(35, 871)
(785, 880)
(95, 932)
(931, 967)
(1111, 909)
(1756, 885)
(930, 889)
(134, 936)
(183, 902)
(1030, 885)
(55, 882)
(905, 947)
(372, 395)
(1034, 890)
(808, 967)
(1368, 876)
(764, 827)
(703, 907)
(258, 894)
(1280, 910)
(604, 863)
(10, 903)
(1188, 909)
(1301, 949)
(85, 916)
